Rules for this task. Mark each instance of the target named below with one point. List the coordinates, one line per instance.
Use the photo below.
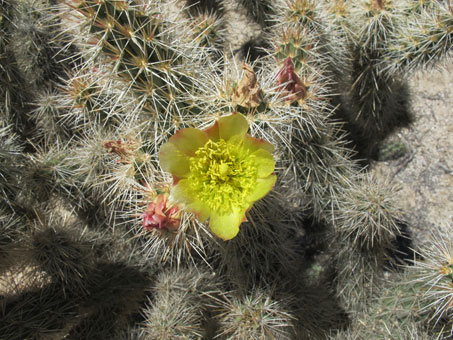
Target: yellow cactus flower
(219, 172)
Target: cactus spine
(94, 243)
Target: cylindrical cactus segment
(434, 271)
(366, 215)
(255, 316)
(296, 43)
(301, 12)
(376, 103)
(208, 30)
(425, 36)
(135, 38)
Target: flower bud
(161, 214)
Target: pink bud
(161, 216)
(293, 88)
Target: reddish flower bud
(293, 88)
(160, 215)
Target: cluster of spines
(13, 101)
(254, 316)
(432, 272)
(208, 24)
(182, 304)
(67, 281)
(107, 165)
(414, 303)
(376, 102)
(135, 38)
(424, 36)
(385, 41)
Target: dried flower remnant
(219, 172)
(292, 87)
(128, 151)
(161, 214)
(379, 4)
(247, 92)
(123, 149)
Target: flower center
(222, 175)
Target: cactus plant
(154, 190)
(432, 270)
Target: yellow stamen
(222, 175)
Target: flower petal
(189, 140)
(181, 193)
(172, 160)
(200, 210)
(213, 131)
(263, 186)
(265, 163)
(254, 144)
(233, 125)
(226, 226)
